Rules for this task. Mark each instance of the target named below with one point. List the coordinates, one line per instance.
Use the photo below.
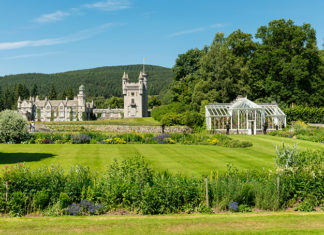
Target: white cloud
(52, 17)
(110, 5)
(195, 30)
(29, 55)
(189, 31)
(216, 25)
(81, 35)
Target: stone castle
(135, 96)
(135, 105)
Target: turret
(81, 97)
(19, 102)
(141, 84)
(125, 80)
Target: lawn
(259, 223)
(122, 122)
(186, 159)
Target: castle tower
(81, 102)
(135, 96)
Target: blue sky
(63, 35)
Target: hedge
(305, 114)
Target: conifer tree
(52, 94)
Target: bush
(80, 139)
(13, 127)
(159, 112)
(305, 206)
(173, 119)
(305, 114)
(18, 204)
(244, 208)
(64, 200)
(233, 207)
(41, 199)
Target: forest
(100, 84)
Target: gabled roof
(243, 103)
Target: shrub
(18, 203)
(305, 206)
(159, 112)
(305, 114)
(64, 200)
(41, 199)
(233, 207)
(173, 119)
(244, 208)
(13, 127)
(80, 139)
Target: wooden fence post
(207, 198)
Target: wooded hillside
(101, 81)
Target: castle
(135, 105)
(135, 96)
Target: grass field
(186, 159)
(256, 223)
(122, 122)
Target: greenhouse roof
(242, 103)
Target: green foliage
(64, 200)
(305, 206)
(13, 127)
(17, 204)
(71, 114)
(100, 82)
(305, 114)
(302, 131)
(133, 185)
(154, 102)
(52, 95)
(244, 208)
(41, 199)
(284, 66)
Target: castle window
(132, 93)
(133, 101)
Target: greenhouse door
(251, 127)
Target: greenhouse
(244, 116)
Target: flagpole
(143, 65)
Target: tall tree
(52, 94)
(34, 91)
(8, 99)
(184, 70)
(70, 94)
(63, 95)
(286, 62)
(223, 71)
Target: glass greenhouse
(244, 116)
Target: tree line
(284, 64)
(281, 63)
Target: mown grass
(122, 122)
(185, 159)
(227, 223)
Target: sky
(63, 35)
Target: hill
(101, 81)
